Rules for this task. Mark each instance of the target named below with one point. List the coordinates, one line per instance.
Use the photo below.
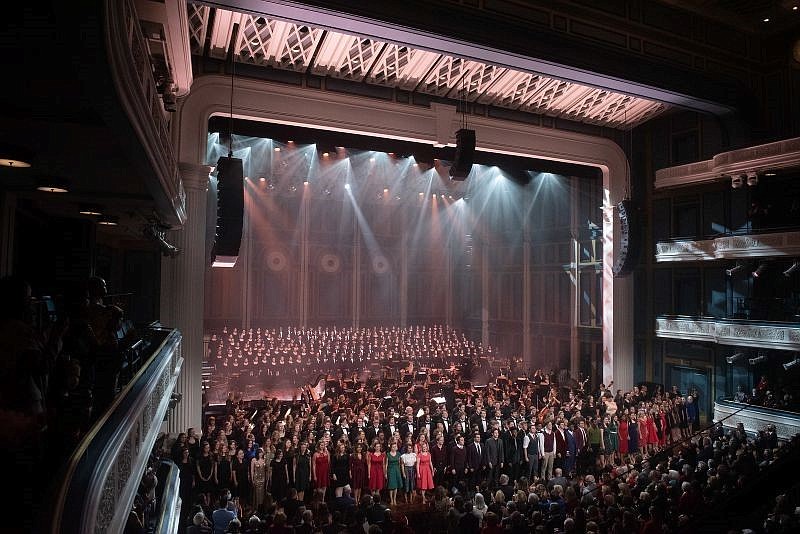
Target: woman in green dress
(611, 436)
(394, 473)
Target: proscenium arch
(299, 106)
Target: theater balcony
(97, 486)
(90, 98)
(756, 418)
(735, 332)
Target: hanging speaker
(465, 152)
(230, 212)
(629, 238)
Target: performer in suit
(439, 457)
(458, 462)
(373, 429)
(390, 427)
(561, 444)
(571, 451)
(495, 456)
(476, 460)
(407, 427)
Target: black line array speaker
(230, 212)
(630, 235)
(465, 152)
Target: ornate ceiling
(301, 48)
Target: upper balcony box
(730, 247)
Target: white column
(182, 296)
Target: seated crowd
(495, 459)
(323, 349)
(781, 396)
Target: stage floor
(250, 386)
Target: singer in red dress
(320, 467)
(375, 473)
(424, 470)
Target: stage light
(277, 149)
(262, 179)
(305, 182)
(254, 41)
(789, 365)
(752, 179)
(770, 173)
(760, 270)
(737, 181)
(734, 270)
(347, 186)
(735, 357)
(761, 358)
(385, 189)
(788, 272)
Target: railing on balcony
(136, 89)
(755, 418)
(99, 482)
(773, 244)
(759, 334)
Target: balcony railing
(131, 71)
(759, 334)
(730, 247)
(102, 476)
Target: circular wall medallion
(330, 263)
(276, 261)
(380, 264)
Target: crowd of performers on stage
(405, 445)
(282, 351)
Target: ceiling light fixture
(90, 209)
(14, 156)
(53, 184)
(108, 220)
(765, 19)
